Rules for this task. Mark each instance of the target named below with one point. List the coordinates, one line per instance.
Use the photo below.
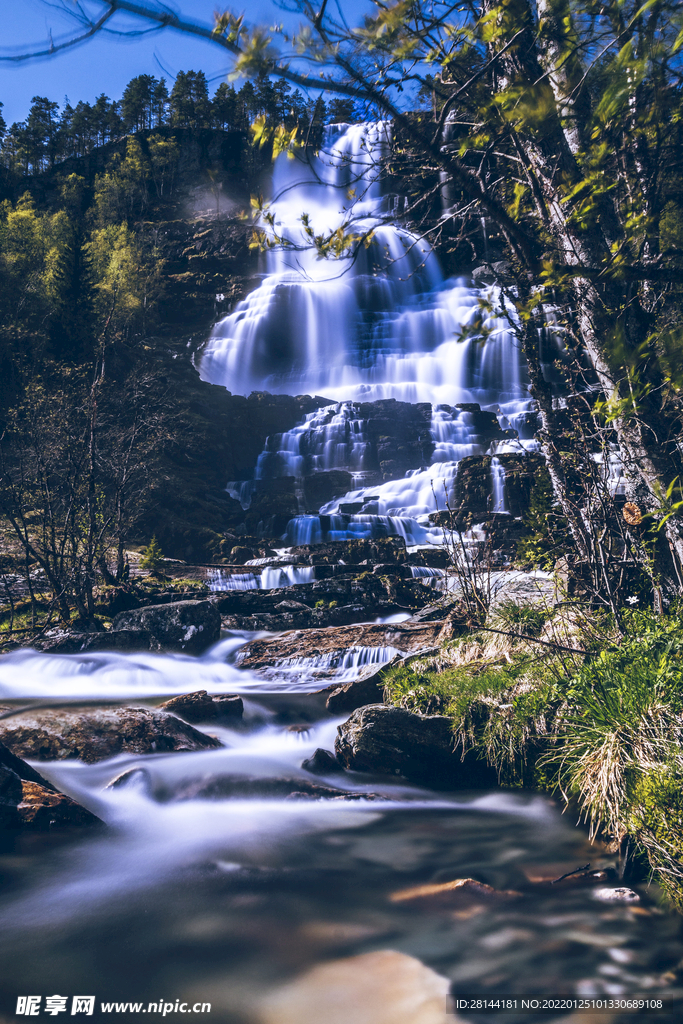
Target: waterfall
(270, 579)
(382, 325)
(498, 499)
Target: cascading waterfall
(270, 579)
(382, 325)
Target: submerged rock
(393, 741)
(202, 707)
(27, 800)
(188, 626)
(95, 735)
(382, 987)
(322, 762)
(455, 893)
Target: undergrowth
(603, 728)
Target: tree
(190, 106)
(137, 103)
(3, 126)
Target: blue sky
(106, 64)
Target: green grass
(606, 734)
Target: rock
(236, 787)
(438, 610)
(189, 626)
(112, 640)
(383, 987)
(457, 892)
(618, 895)
(312, 643)
(367, 689)
(94, 735)
(27, 800)
(200, 707)
(393, 741)
(323, 762)
(42, 808)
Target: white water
(383, 325)
(499, 499)
(270, 579)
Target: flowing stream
(209, 885)
(221, 875)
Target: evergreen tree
(137, 102)
(152, 557)
(160, 100)
(72, 324)
(225, 107)
(3, 126)
(190, 105)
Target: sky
(106, 63)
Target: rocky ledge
(93, 735)
(28, 801)
(318, 643)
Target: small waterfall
(332, 437)
(498, 498)
(271, 578)
(341, 665)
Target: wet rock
(312, 643)
(188, 626)
(201, 707)
(620, 894)
(456, 893)
(322, 762)
(393, 741)
(439, 610)
(94, 735)
(320, 488)
(382, 987)
(123, 640)
(42, 808)
(235, 787)
(27, 800)
(353, 552)
(367, 689)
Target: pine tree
(152, 557)
(72, 324)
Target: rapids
(222, 899)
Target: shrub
(152, 557)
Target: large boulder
(91, 736)
(188, 626)
(27, 800)
(393, 741)
(123, 640)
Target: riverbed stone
(367, 689)
(381, 987)
(123, 640)
(93, 735)
(311, 643)
(393, 741)
(202, 707)
(321, 762)
(28, 801)
(187, 626)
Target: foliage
(545, 537)
(152, 557)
